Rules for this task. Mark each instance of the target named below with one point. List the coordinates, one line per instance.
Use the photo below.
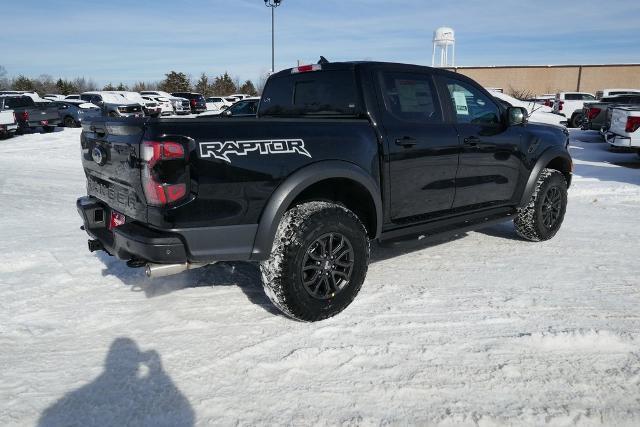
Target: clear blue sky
(128, 41)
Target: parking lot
(478, 329)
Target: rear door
(490, 157)
(422, 148)
(111, 161)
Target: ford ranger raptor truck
(339, 154)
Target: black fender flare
(544, 159)
(291, 187)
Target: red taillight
(116, 219)
(560, 105)
(633, 123)
(193, 102)
(547, 103)
(306, 68)
(24, 116)
(157, 192)
(592, 113)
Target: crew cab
(624, 130)
(196, 101)
(339, 154)
(570, 105)
(29, 114)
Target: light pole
(273, 4)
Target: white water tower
(443, 39)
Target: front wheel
(542, 217)
(69, 122)
(318, 262)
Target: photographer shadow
(133, 389)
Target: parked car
(150, 108)
(74, 112)
(30, 93)
(339, 154)
(595, 113)
(196, 101)
(217, 103)
(570, 105)
(113, 104)
(73, 96)
(8, 122)
(537, 113)
(248, 107)
(180, 105)
(613, 92)
(624, 130)
(29, 114)
(165, 105)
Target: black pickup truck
(30, 114)
(340, 154)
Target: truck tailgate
(110, 158)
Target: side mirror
(516, 116)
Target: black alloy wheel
(327, 265)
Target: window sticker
(461, 103)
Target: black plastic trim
(286, 193)
(541, 163)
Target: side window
(410, 97)
(472, 106)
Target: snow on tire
(542, 217)
(318, 262)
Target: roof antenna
(323, 60)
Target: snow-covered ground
(481, 329)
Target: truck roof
(350, 65)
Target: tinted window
(410, 97)
(578, 97)
(244, 107)
(318, 93)
(471, 105)
(19, 102)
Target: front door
(490, 159)
(422, 149)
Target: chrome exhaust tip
(153, 271)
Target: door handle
(406, 141)
(471, 141)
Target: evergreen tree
(22, 83)
(223, 85)
(248, 88)
(109, 87)
(202, 86)
(175, 82)
(122, 86)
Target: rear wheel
(48, 129)
(542, 217)
(69, 122)
(576, 120)
(318, 262)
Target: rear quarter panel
(235, 190)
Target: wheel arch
(322, 180)
(552, 159)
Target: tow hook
(95, 245)
(154, 271)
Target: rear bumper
(621, 141)
(133, 240)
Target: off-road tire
(299, 230)
(529, 222)
(576, 120)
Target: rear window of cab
(323, 93)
